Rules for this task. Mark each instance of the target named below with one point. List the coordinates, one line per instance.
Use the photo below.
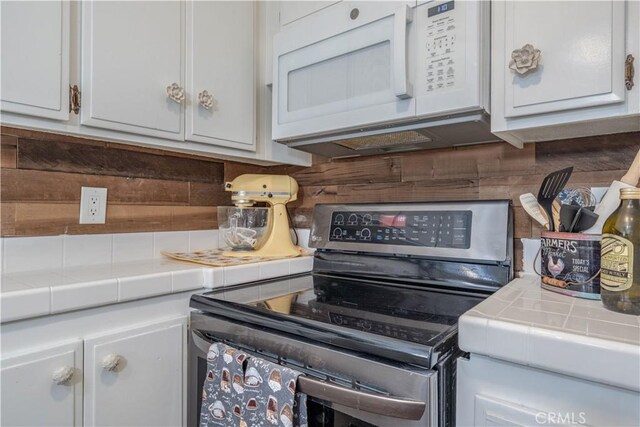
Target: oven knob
(337, 319)
(366, 325)
(366, 219)
(337, 233)
(365, 234)
(339, 219)
(353, 219)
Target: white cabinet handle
(525, 59)
(62, 375)
(205, 100)
(175, 93)
(111, 362)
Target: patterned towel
(262, 395)
(270, 394)
(222, 394)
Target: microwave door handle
(390, 406)
(401, 85)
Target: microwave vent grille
(385, 141)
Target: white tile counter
(31, 294)
(527, 325)
(51, 275)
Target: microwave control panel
(441, 229)
(444, 45)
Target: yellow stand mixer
(276, 190)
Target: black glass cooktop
(399, 321)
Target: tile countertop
(525, 324)
(30, 294)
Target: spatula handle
(633, 174)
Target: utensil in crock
(550, 188)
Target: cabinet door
(220, 61)
(491, 412)
(135, 377)
(43, 388)
(35, 58)
(582, 49)
(131, 52)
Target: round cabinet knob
(111, 361)
(175, 93)
(205, 100)
(525, 59)
(62, 375)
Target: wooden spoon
(633, 174)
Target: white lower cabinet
(43, 387)
(492, 392)
(490, 412)
(130, 373)
(135, 377)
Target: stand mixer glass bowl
(242, 229)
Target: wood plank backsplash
(148, 189)
(155, 190)
(489, 171)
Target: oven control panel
(441, 229)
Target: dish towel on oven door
(252, 393)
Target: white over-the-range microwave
(372, 77)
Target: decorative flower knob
(175, 93)
(62, 375)
(111, 362)
(205, 100)
(525, 59)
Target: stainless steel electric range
(374, 326)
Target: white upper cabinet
(291, 11)
(132, 51)
(221, 92)
(35, 58)
(136, 377)
(581, 49)
(580, 58)
(44, 387)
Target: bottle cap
(629, 193)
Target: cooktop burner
(402, 321)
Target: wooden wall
(491, 171)
(148, 190)
(151, 189)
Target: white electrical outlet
(93, 205)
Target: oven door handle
(390, 406)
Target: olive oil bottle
(620, 264)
